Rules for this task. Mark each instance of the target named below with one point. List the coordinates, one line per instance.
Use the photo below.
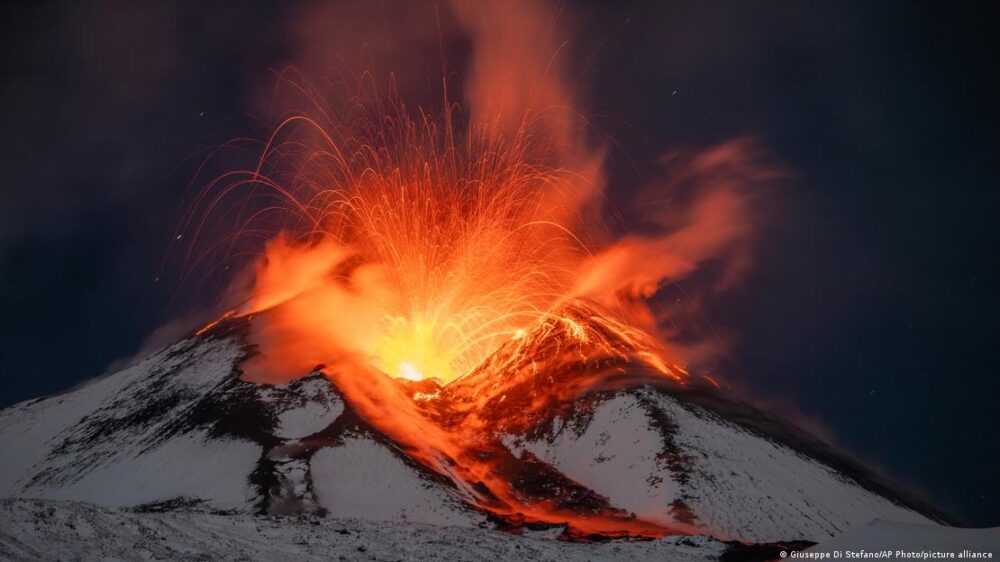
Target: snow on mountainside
(362, 479)
(894, 536)
(180, 431)
(742, 485)
(180, 427)
(40, 531)
(133, 437)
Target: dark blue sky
(872, 306)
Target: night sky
(872, 307)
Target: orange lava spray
(408, 243)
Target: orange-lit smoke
(423, 242)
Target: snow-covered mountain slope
(142, 435)
(35, 530)
(673, 452)
(361, 478)
(668, 461)
(902, 539)
(182, 430)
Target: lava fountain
(466, 246)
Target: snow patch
(307, 419)
(616, 456)
(364, 479)
(189, 466)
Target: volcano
(599, 448)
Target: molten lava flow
(408, 245)
(204, 329)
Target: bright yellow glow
(412, 350)
(408, 372)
